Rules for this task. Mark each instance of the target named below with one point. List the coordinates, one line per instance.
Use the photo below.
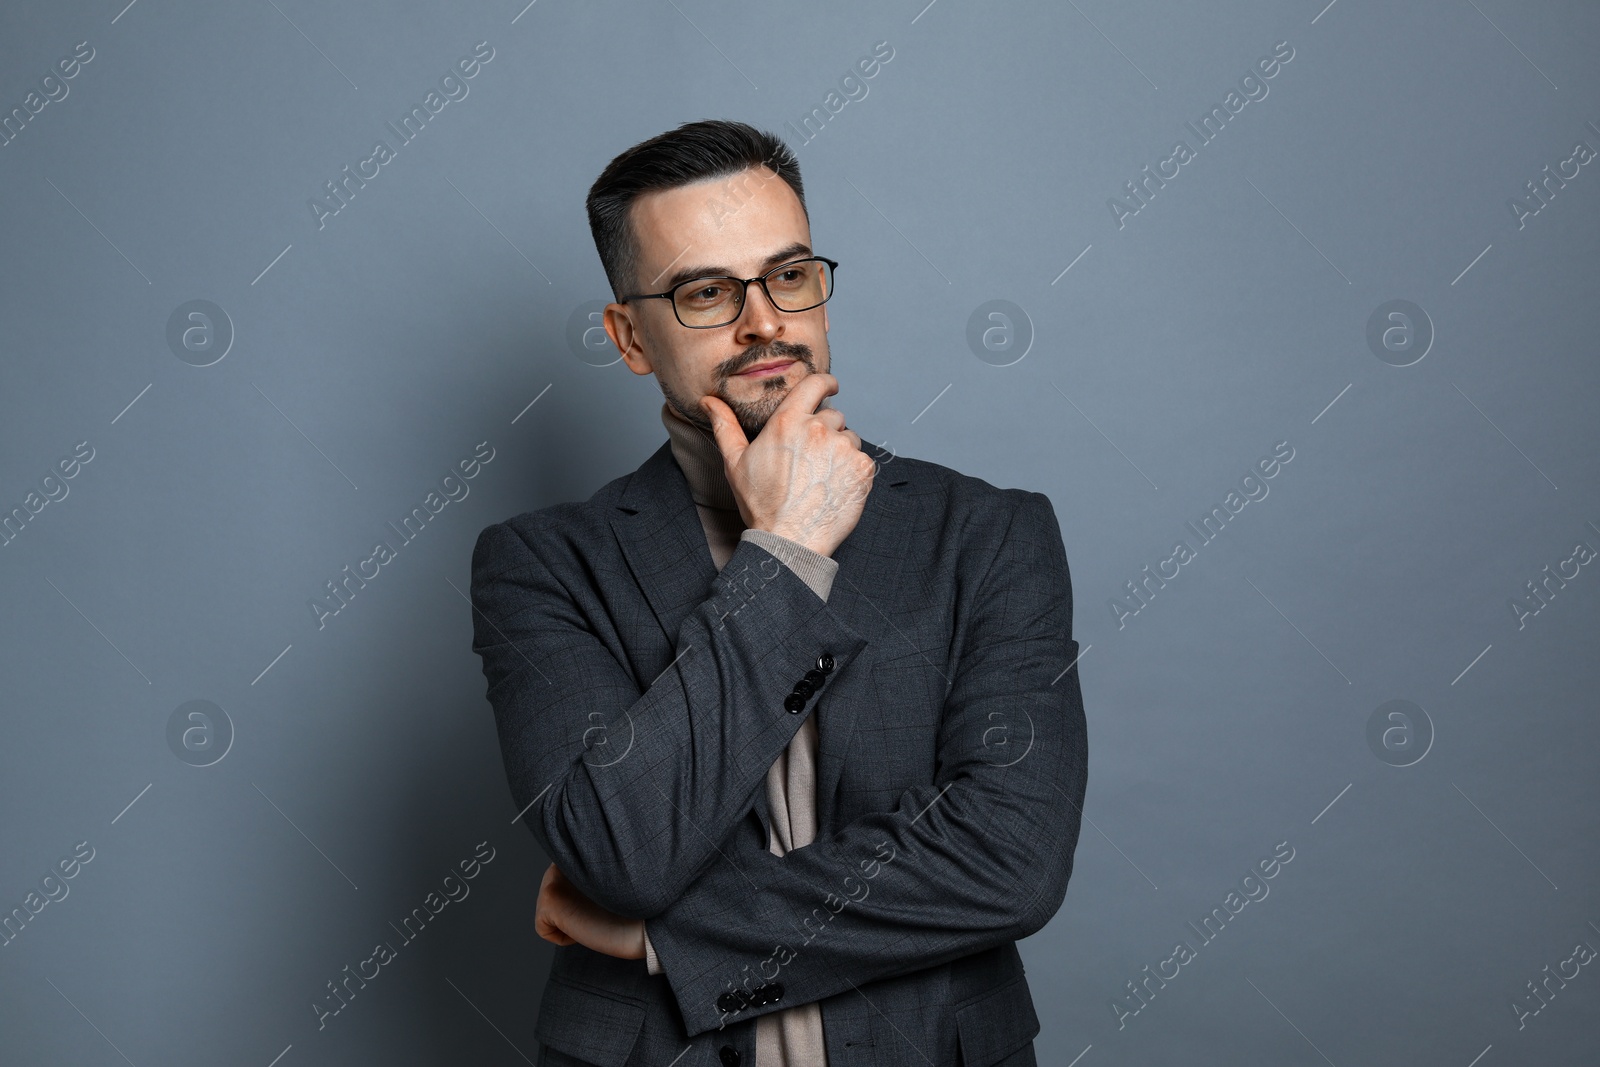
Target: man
(802, 734)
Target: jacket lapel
(659, 532)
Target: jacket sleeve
(978, 857)
(818, 572)
(629, 787)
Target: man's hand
(565, 916)
(804, 477)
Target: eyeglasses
(706, 303)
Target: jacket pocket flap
(997, 1024)
(588, 1023)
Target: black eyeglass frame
(744, 287)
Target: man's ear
(628, 338)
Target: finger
(831, 417)
(548, 917)
(730, 438)
(809, 392)
(555, 936)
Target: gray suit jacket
(641, 696)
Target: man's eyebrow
(788, 252)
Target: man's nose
(758, 316)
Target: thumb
(731, 441)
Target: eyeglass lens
(718, 301)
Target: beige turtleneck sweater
(791, 1037)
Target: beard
(752, 414)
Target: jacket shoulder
(965, 497)
(573, 522)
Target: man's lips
(765, 368)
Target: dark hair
(695, 151)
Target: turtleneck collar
(700, 460)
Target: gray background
(1230, 714)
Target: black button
(816, 677)
(795, 703)
(729, 1056)
(804, 688)
(730, 1003)
(775, 990)
(825, 663)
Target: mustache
(762, 353)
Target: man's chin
(750, 423)
(752, 416)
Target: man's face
(742, 226)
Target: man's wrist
(813, 568)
